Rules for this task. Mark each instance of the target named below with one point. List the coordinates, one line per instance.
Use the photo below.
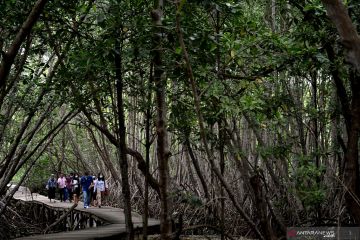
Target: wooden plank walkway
(114, 216)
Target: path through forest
(114, 216)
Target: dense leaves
(274, 86)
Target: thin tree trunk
(122, 141)
(163, 153)
(75, 146)
(195, 162)
(316, 152)
(221, 131)
(147, 155)
(9, 162)
(222, 169)
(261, 206)
(49, 136)
(103, 152)
(137, 156)
(9, 56)
(19, 68)
(203, 133)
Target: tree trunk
(163, 153)
(261, 206)
(122, 142)
(347, 31)
(196, 164)
(351, 171)
(222, 169)
(210, 157)
(147, 154)
(104, 154)
(137, 156)
(351, 41)
(9, 56)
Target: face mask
(76, 175)
(101, 176)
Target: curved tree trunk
(351, 41)
(25, 29)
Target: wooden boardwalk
(115, 229)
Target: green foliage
(279, 151)
(186, 197)
(39, 174)
(243, 61)
(316, 6)
(309, 186)
(182, 118)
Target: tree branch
(346, 29)
(25, 29)
(139, 158)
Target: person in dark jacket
(85, 182)
(69, 179)
(51, 187)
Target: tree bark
(261, 206)
(104, 154)
(351, 41)
(9, 56)
(163, 153)
(210, 157)
(137, 156)
(351, 171)
(122, 141)
(49, 137)
(338, 14)
(147, 154)
(196, 164)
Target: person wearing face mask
(92, 193)
(61, 185)
(99, 188)
(76, 188)
(51, 187)
(85, 182)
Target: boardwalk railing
(76, 222)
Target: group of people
(93, 188)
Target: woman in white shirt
(76, 188)
(62, 184)
(99, 188)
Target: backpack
(51, 183)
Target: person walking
(99, 189)
(51, 187)
(76, 188)
(62, 184)
(69, 186)
(91, 190)
(85, 182)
